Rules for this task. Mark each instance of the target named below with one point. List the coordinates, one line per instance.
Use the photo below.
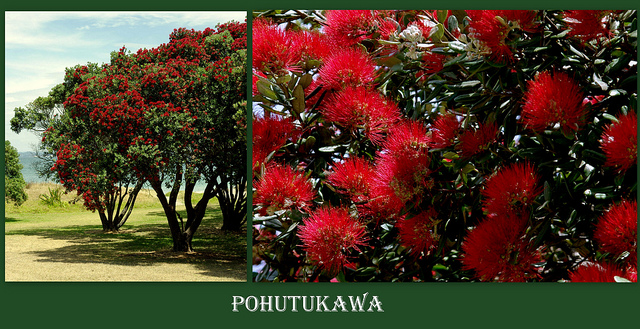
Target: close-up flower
(496, 250)
(282, 188)
(311, 45)
(330, 235)
(444, 131)
(432, 63)
(346, 28)
(617, 231)
(419, 232)
(553, 101)
(362, 109)
(511, 190)
(474, 141)
(347, 67)
(272, 49)
(587, 25)
(269, 134)
(403, 164)
(493, 27)
(620, 142)
(598, 272)
(353, 176)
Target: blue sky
(40, 45)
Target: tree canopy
(169, 115)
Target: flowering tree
(492, 145)
(170, 116)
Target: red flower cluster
(353, 176)
(553, 101)
(363, 109)
(269, 134)
(478, 140)
(620, 142)
(444, 131)
(403, 163)
(281, 188)
(498, 250)
(329, 235)
(587, 25)
(419, 232)
(617, 231)
(347, 67)
(272, 49)
(492, 29)
(600, 272)
(346, 28)
(511, 190)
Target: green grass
(145, 237)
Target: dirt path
(29, 258)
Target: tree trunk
(107, 225)
(233, 203)
(169, 207)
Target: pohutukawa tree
(491, 145)
(170, 116)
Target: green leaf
(618, 63)
(306, 80)
(298, 99)
(599, 82)
(451, 155)
(437, 32)
(465, 85)
(265, 89)
(442, 15)
(457, 46)
(452, 23)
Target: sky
(40, 45)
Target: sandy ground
(27, 258)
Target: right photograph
(444, 146)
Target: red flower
(311, 45)
(354, 177)
(444, 131)
(553, 101)
(381, 208)
(347, 67)
(269, 134)
(587, 25)
(617, 230)
(362, 109)
(597, 272)
(475, 141)
(511, 190)
(432, 63)
(403, 164)
(348, 27)
(329, 235)
(492, 27)
(497, 250)
(272, 49)
(283, 189)
(419, 233)
(620, 142)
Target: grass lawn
(145, 238)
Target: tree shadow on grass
(218, 254)
(10, 220)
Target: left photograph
(125, 146)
